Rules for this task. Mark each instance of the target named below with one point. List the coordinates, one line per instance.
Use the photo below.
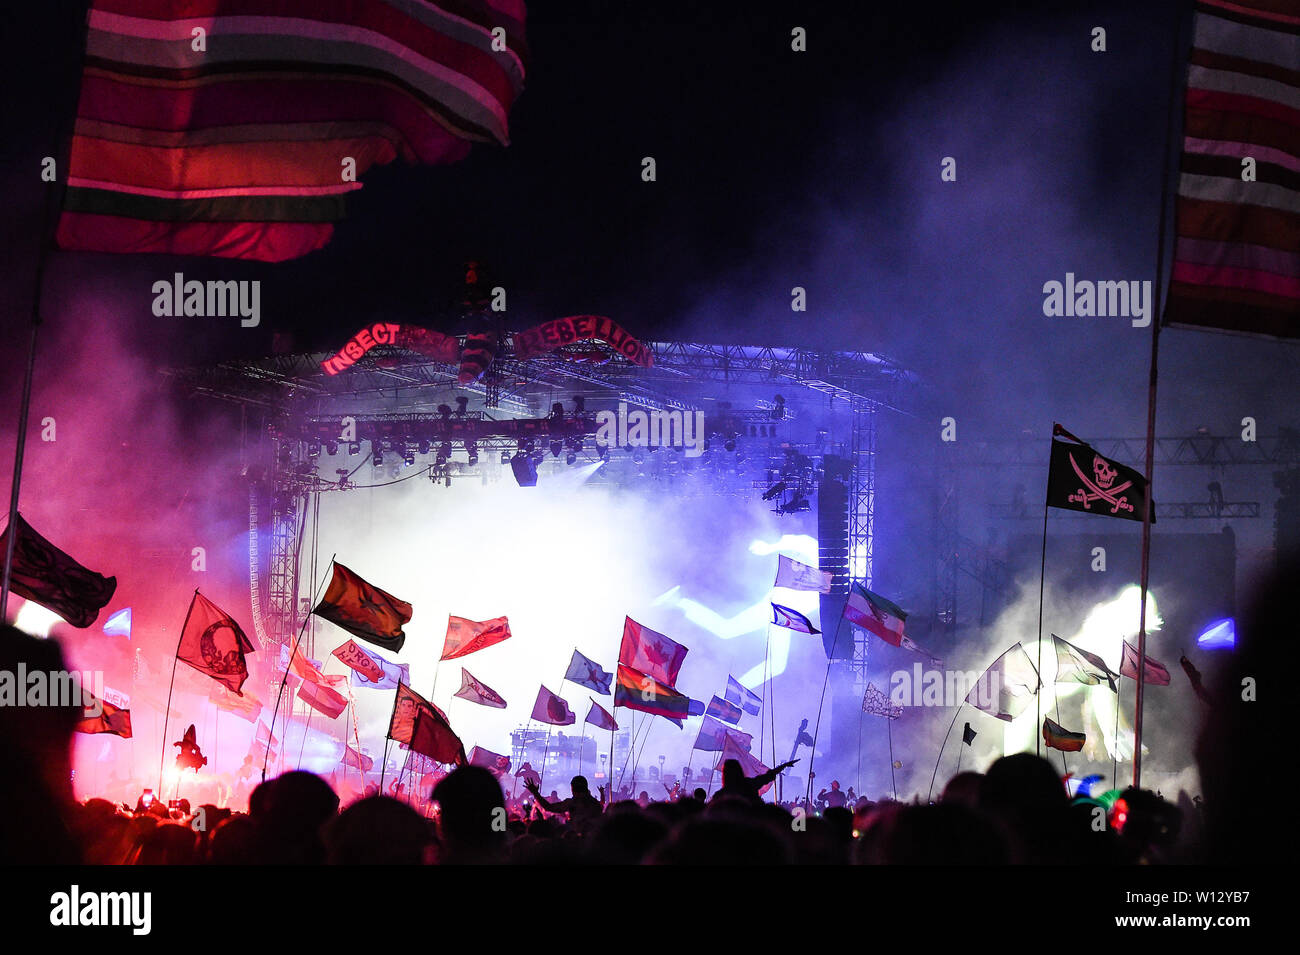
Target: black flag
(968, 735)
(46, 575)
(1080, 479)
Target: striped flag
(882, 617)
(242, 139)
(792, 619)
(743, 696)
(639, 691)
(1237, 217)
(724, 710)
(1058, 737)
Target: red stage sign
(435, 345)
(576, 328)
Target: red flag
(46, 575)
(364, 610)
(353, 656)
(650, 652)
(323, 699)
(406, 705)
(1156, 672)
(111, 719)
(465, 636)
(357, 760)
(433, 737)
(213, 644)
(550, 708)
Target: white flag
(790, 573)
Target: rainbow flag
(637, 691)
(1058, 737)
(236, 128)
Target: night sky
(775, 169)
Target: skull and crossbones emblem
(1099, 486)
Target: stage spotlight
(730, 443)
(408, 458)
(604, 454)
(331, 448)
(354, 447)
(313, 450)
(378, 455)
(423, 447)
(556, 448)
(557, 410)
(525, 470)
(461, 404)
(445, 412)
(774, 490)
(638, 457)
(444, 452)
(778, 412)
(579, 405)
(471, 449)
(505, 457)
(1220, 635)
(570, 458)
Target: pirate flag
(190, 756)
(1080, 479)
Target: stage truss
(771, 413)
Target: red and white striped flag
(1236, 266)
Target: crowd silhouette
(1016, 812)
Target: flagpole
(285, 679)
(861, 718)
(940, 756)
(62, 153)
(812, 757)
(1042, 575)
(1114, 750)
(162, 759)
(889, 731)
(1151, 399)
